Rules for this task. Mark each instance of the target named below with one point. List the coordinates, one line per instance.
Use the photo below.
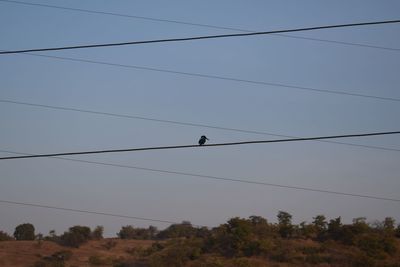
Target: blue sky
(223, 103)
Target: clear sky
(167, 96)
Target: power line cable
(209, 76)
(182, 123)
(87, 212)
(218, 178)
(203, 37)
(197, 146)
(195, 24)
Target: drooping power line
(203, 37)
(196, 146)
(217, 77)
(182, 123)
(219, 178)
(87, 211)
(194, 24)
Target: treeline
(249, 241)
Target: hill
(239, 242)
(103, 252)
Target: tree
(360, 225)
(320, 223)
(397, 231)
(152, 231)
(5, 237)
(320, 226)
(184, 229)
(335, 228)
(306, 230)
(97, 233)
(233, 239)
(285, 224)
(76, 236)
(127, 232)
(389, 224)
(25, 231)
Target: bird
(202, 140)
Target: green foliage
(306, 230)
(285, 224)
(5, 237)
(389, 225)
(184, 229)
(244, 242)
(58, 259)
(320, 226)
(360, 226)
(232, 238)
(261, 228)
(177, 253)
(334, 229)
(240, 237)
(25, 231)
(130, 232)
(76, 236)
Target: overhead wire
(202, 37)
(204, 176)
(197, 146)
(195, 24)
(218, 178)
(182, 123)
(224, 78)
(86, 211)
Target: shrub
(56, 260)
(76, 236)
(25, 231)
(184, 229)
(285, 224)
(375, 245)
(177, 253)
(5, 237)
(130, 232)
(127, 232)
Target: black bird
(202, 140)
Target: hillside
(133, 253)
(239, 242)
(26, 253)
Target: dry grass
(26, 253)
(103, 252)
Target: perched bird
(202, 140)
